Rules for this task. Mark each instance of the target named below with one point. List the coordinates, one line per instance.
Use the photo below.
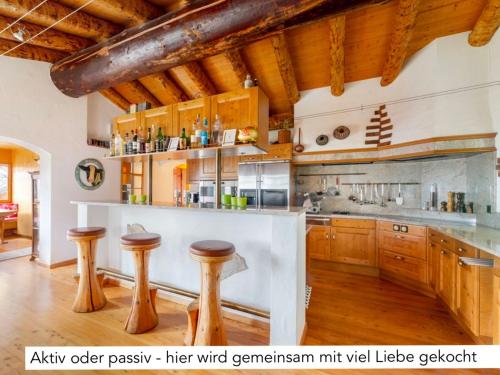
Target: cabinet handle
(460, 263)
(333, 236)
(400, 237)
(460, 250)
(399, 257)
(443, 252)
(443, 241)
(327, 236)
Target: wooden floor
(35, 309)
(14, 243)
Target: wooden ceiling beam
(401, 36)
(237, 64)
(49, 39)
(163, 88)
(193, 80)
(114, 97)
(337, 38)
(285, 67)
(127, 13)
(31, 52)
(135, 92)
(201, 29)
(80, 24)
(486, 25)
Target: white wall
(100, 113)
(35, 115)
(446, 64)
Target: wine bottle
(183, 140)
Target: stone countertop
(481, 237)
(197, 207)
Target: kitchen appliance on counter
(266, 184)
(207, 190)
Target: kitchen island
(272, 241)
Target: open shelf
(196, 153)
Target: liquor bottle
(204, 133)
(183, 140)
(159, 140)
(118, 145)
(135, 142)
(217, 131)
(152, 142)
(126, 145)
(194, 138)
(112, 145)
(147, 146)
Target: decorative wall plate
(89, 174)
(341, 132)
(322, 140)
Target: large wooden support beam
(237, 64)
(114, 97)
(201, 29)
(29, 52)
(405, 22)
(163, 88)
(337, 37)
(49, 39)
(193, 80)
(486, 25)
(285, 67)
(124, 12)
(80, 24)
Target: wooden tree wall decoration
(380, 132)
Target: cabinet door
(447, 277)
(230, 168)
(193, 167)
(435, 256)
(318, 242)
(353, 246)
(158, 117)
(125, 123)
(468, 295)
(237, 109)
(207, 169)
(184, 114)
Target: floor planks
(35, 309)
(15, 243)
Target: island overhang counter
(272, 241)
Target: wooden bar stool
(211, 255)
(142, 315)
(90, 296)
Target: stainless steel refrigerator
(265, 184)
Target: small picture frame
(229, 137)
(173, 144)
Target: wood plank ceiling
(366, 43)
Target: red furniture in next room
(10, 220)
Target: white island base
(271, 241)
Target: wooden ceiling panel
(135, 92)
(438, 18)
(262, 65)
(219, 69)
(127, 13)
(193, 80)
(163, 88)
(31, 52)
(80, 24)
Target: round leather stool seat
(86, 232)
(140, 239)
(212, 248)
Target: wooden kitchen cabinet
(193, 170)
(204, 169)
(353, 246)
(230, 168)
(318, 242)
(185, 113)
(126, 123)
(158, 117)
(447, 283)
(467, 298)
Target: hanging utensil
(299, 147)
(399, 198)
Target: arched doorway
(25, 159)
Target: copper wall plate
(322, 140)
(341, 132)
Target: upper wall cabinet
(185, 113)
(241, 108)
(158, 117)
(125, 123)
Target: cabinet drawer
(405, 266)
(354, 223)
(442, 239)
(464, 250)
(250, 158)
(392, 226)
(403, 244)
(279, 152)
